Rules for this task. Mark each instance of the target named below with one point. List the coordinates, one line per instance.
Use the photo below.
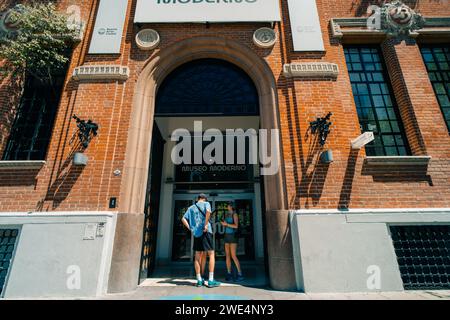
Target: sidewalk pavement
(183, 289)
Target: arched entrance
(217, 95)
(128, 240)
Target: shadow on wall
(63, 174)
(313, 173)
(382, 174)
(66, 176)
(312, 182)
(14, 178)
(10, 94)
(347, 184)
(397, 173)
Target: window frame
(387, 81)
(446, 84)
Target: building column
(126, 257)
(279, 249)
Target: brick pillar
(419, 108)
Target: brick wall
(347, 182)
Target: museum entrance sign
(173, 11)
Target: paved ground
(183, 289)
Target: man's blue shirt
(196, 219)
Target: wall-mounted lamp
(79, 159)
(326, 157)
(322, 127)
(86, 130)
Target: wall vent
(8, 239)
(423, 255)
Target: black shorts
(230, 238)
(204, 243)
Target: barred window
(375, 104)
(31, 131)
(437, 61)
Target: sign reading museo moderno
(172, 11)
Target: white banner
(108, 29)
(305, 25)
(162, 11)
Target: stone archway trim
(128, 238)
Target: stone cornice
(352, 27)
(101, 72)
(311, 70)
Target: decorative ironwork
(207, 87)
(86, 130)
(423, 255)
(8, 239)
(322, 126)
(375, 104)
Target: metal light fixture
(326, 157)
(322, 127)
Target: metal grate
(8, 239)
(207, 87)
(375, 104)
(423, 255)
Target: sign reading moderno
(164, 11)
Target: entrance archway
(128, 238)
(219, 96)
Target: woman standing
(231, 225)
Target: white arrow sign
(362, 140)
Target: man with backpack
(196, 219)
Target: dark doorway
(152, 199)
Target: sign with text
(108, 29)
(362, 140)
(305, 25)
(164, 11)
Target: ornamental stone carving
(147, 39)
(399, 19)
(265, 37)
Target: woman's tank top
(229, 219)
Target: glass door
(244, 209)
(182, 243)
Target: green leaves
(41, 44)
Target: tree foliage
(41, 42)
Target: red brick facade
(346, 183)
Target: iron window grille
(8, 239)
(32, 127)
(423, 255)
(375, 104)
(437, 61)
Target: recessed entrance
(221, 96)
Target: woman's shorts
(204, 243)
(230, 238)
